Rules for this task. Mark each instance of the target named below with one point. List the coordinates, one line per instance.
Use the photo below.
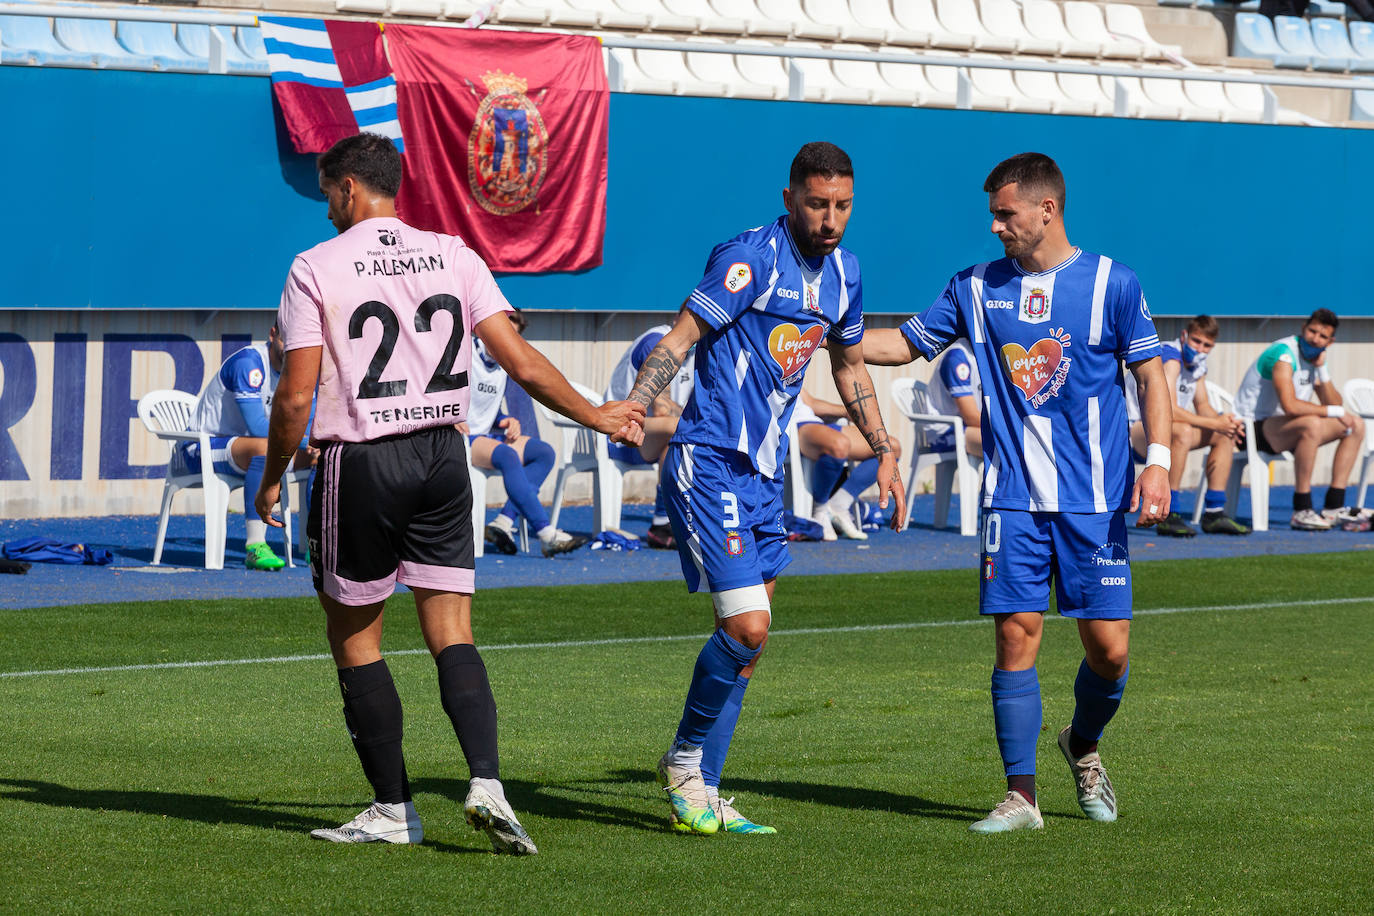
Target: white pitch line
(638, 640)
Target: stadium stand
(1003, 18)
(30, 40)
(158, 40)
(723, 69)
(1125, 21)
(877, 14)
(1295, 39)
(96, 38)
(1045, 20)
(1086, 23)
(1333, 41)
(1255, 38)
(197, 38)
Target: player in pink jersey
(382, 317)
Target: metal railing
(1121, 101)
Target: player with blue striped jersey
(768, 298)
(957, 391)
(1049, 325)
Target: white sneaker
(487, 809)
(1310, 520)
(1095, 794)
(822, 517)
(1014, 813)
(845, 527)
(379, 823)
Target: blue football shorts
(1085, 554)
(626, 454)
(221, 461)
(726, 517)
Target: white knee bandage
(734, 601)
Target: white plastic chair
(755, 23)
(1044, 20)
(1258, 463)
(477, 478)
(803, 26)
(876, 14)
(1359, 398)
(961, 16)
(1126, 21)
(913, 400)
(1003, 19)
(1222, 403)
(167, 414)
(583, 450)
(919, 16)
(800, 474)
(1085, 23)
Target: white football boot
(845, 527)
(486, 809)
(1014, 813)
(1095, 794)
(378, 823)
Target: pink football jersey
(394, 308)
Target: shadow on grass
(189, 806)
(593, 800)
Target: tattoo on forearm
(857, 404)
(654, 375)
(878, 441)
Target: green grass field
(1240, 756)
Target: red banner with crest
(505, 142)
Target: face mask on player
(1190, 356)
(1309, 351)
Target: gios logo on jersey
(791, 348)
(508, 148)
(1041, 371)
(738, 277)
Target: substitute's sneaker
(1014, 813)
(844, 526)
(486, 809)
(660, 537)
(731, 821)
(1349, 519)
(562, 542)
(1095, 794)
(379, 823)
(1221, 523)
(260, 556)
(690, 808)
(822, 517)
(501, 538)
(1175, 527)
(1309, 520)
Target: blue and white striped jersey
(769, 309)
(1049, 348)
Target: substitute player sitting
(835, 484)
(1196, 425)
(1277, 393)
(768, 298)
(659, 425)
(957, 390)
(497, 443)
(233, 410)
(1050, 325)
(383, 318)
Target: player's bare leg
(465, 691)
(372, 711)
(1221, 450)
(1017, 717)
(1183, 438)
(1098, 688)
(1303, 436)
(512, 458)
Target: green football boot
(260, 556)
(691, 810)
(731, 821)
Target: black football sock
(1335, 498)
(1023, 783)
(1080, 746)
(372, 711)
(1302, 501)
(466, 694)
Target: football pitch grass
(1240, 755)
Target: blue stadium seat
(96, 38)
(158, 40)
(1362, 40)
(1294, 36)
(1255, 38)
(1334, 44)
(1326, 8)
(29, 40)
(196, 40)
(1362, 105)
(250, 40)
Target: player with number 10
(383, 318)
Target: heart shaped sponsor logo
(792, 349)
(1031, 370)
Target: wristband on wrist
(1335, 410)
(1323, 374)
(1157, 454)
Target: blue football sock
(825, 477)
(1097, 701)
(1173, 500)
(713, 680)
(525, 497)
(861, 477)
(660, 506)
(539, 460)
(1214, 501)
(1016, 715)
(717, 743)
(252, 478)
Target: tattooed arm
(860, 399)
(662, 364)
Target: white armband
(1335, 410)
(1323, 374)
(1157, 454)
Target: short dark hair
(518, 319)
(1326, 317)
(819, 158)
(370, 158)
(1205, 325)
(1032, 172)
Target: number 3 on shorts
(730, 505)
(992, 532)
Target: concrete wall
(71, 444)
